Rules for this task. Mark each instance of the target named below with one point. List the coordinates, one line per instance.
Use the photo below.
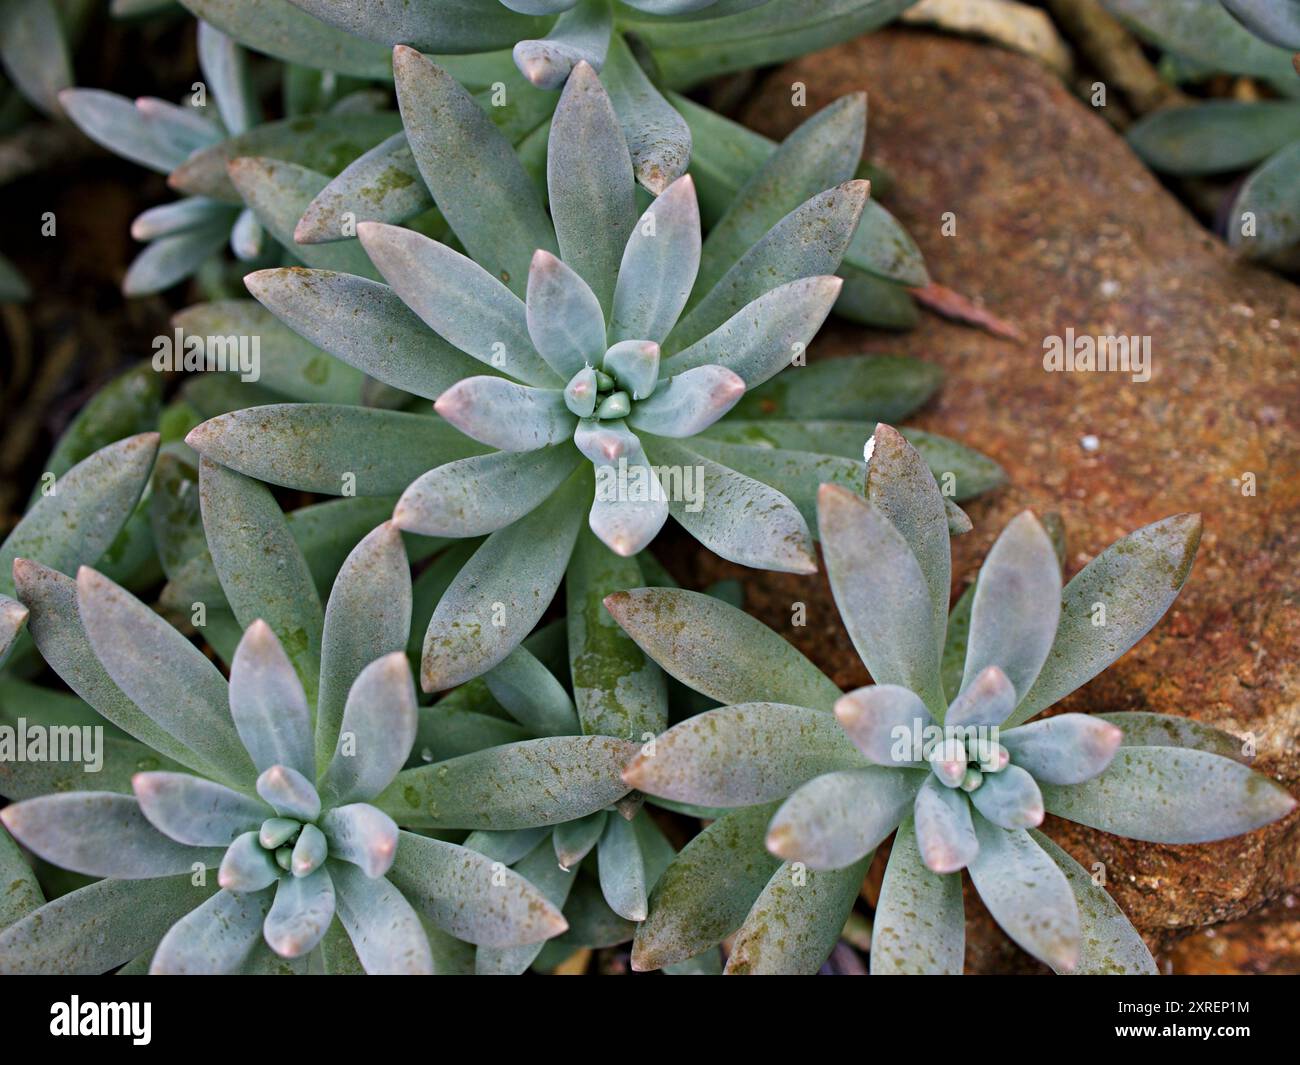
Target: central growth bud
(628, 372)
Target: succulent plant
(556, 405)
(34, 49)
(1247, 37)
(823, 778)
(232, 774)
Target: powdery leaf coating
(920, 921)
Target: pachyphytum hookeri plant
(561, 405)
(1255, 38)
(225, 751)
(938, 748)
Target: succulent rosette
(632, 341)
(232, 822)
(940, 749)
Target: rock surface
(1060, 226)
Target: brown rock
(1059, 226)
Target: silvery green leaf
(882, 594)
(177, 129)
(572, 840)
(13, 616)
(362, 835)
(290, 793)
(707, 891)
(175, 217)
(795, 923)
(1276, 21)
(1205, 32)
(1027, 894)
(483, 493)
(458, 300)
(592, 923)
(919, 926)
(658, 266)
(113, 122)
(99, 833)
(382, 185)
(287, 363)
(532, 695)
(622, 869)
(822, 151)
(762, 338)
(689, 402)
(807, 242)
(742, 661)
(22, 892)
(190, 699)
(658, 138)
(1216, 136)
(945, 834)
(1017, 603)
(511, 580)
(506, 847)
(98, 927)
(84, 511)
(263, 572)
(57, 631)
(171, 259)
(198, 812)
(580, 35)
(630, 506)
(741, 755)
(555, 883)
(301, 913)
(720, 516)
(476, 178)
(1137, 578)
(1171, 795)
(539, 7)
(309, 852)
(453, 26)
(1142, 729)
(882, 387)
(987, 701)
(1064, 749)
(364, 324)
(35, 52)
(384, 928)
(589, 177)
(901, 486)
(212, 939)
(246, 236)
(471, 896)
(634, 365)
(954, 648)
(278, 193)
(1010, 799)
(1268, 196)
(838, 818)
(247, 865)
(1108, 942)
(282, 30)
(312, 146)
(565, 321)
(377, 731)
(518, 785)
(368, 616)
(329, 448)
(618, 690)
(225, 67)
(873, 717)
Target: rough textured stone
(1059, 225)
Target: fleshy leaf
(873, 717)
(1010, 799)
(383, 926)
(572, 840)
(580, 35)
(742, 661)
(945, 834)
(565, 322)
(376, 733)
(658, 267)
(301, 913)
(532, 695)
(194, 811)
(1142, 729)
(1171, 795)
(247, 865)
(517, 785)
(382, 185)
(268, 704)
(689, 403)
(212, 939)
(658, 138)
(920, 921)
(987, 701)
(741, 755)
(1063, 749)
(1216, 136)
(506, 415)
(622, 869)
(1268, 197)
(362, 835)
